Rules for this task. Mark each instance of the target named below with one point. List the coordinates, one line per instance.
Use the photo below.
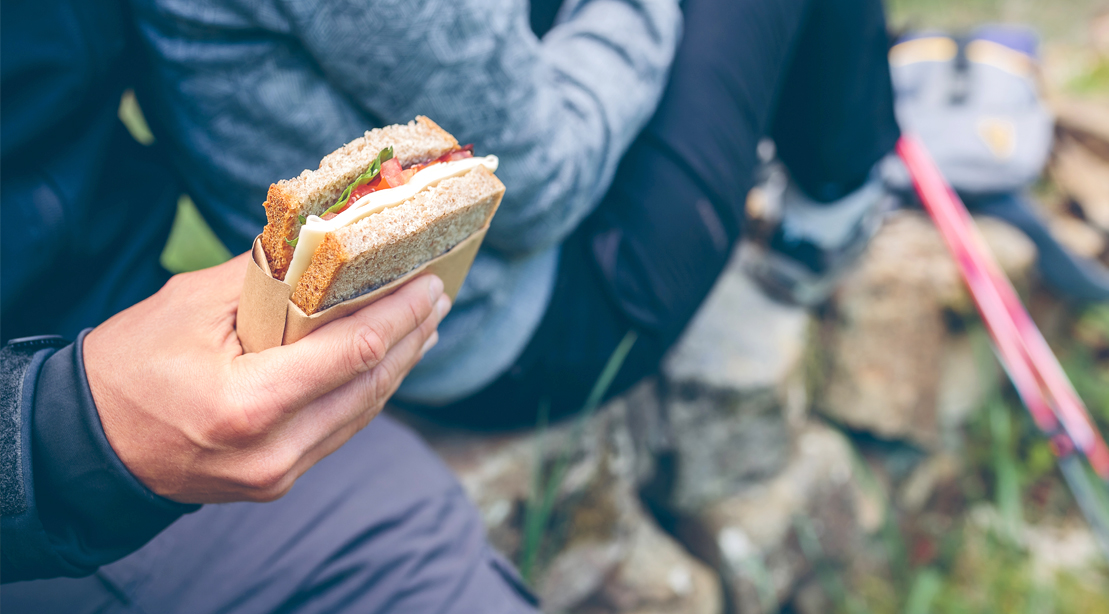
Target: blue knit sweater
(249, 92)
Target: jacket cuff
(94, 510)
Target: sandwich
(376, 209)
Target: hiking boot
(800, 254)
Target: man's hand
(198, 421)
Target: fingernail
(430, 343)
(443, 306)
(435, 288)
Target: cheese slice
(316, 228)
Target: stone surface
(765, 540)
(1081, 238)
(1067, 545)
(739, 339)
(733, 384)
(1082, 175)
(1099, 32)
(723, 443)
(601, 552)
(887, 361)
(656, 575)
(921, 483)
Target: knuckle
(380, 384)
(271, 493)
(266, 480)
(417, 314)
(238, 421)
(269, 496)
(369, 348)
(238, 414)
(176, 283)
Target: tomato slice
(361, 191)
(392, 175)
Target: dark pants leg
(813, 75)
(381, 525)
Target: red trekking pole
(1036, 374)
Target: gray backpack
(975, 104)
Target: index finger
(332, 355)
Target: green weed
(545, 485)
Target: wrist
(82, 486)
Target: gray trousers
(381, 525)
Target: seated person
(121, 433)
(620, 210)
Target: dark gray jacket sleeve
(69, 504)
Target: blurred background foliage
(992, 554)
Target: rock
(917, 489)
(765, 540)
(1084, 122)
(811, 598)
(1054, 546)
(1082, 175)
(740, 340)
(1099, 32)
(1079, 237)
(967, 374)
(1015, 253)
(732, 385)
(884, 351)
(722, 444)
(656, 575)
(601, 551)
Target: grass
(1010, 473)
(546, 484)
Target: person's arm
(69, 504)
(108, 440)
(560, 112)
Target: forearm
(70, 506)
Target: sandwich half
(377, 208)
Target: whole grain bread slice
(312, 192)
(384, 246)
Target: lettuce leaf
(366, 177)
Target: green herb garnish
(293, 242)
(302, 220)
(363, 179)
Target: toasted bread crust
(386, 245)
(281, 223)
(312, 192)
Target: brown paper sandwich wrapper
(267, 318)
